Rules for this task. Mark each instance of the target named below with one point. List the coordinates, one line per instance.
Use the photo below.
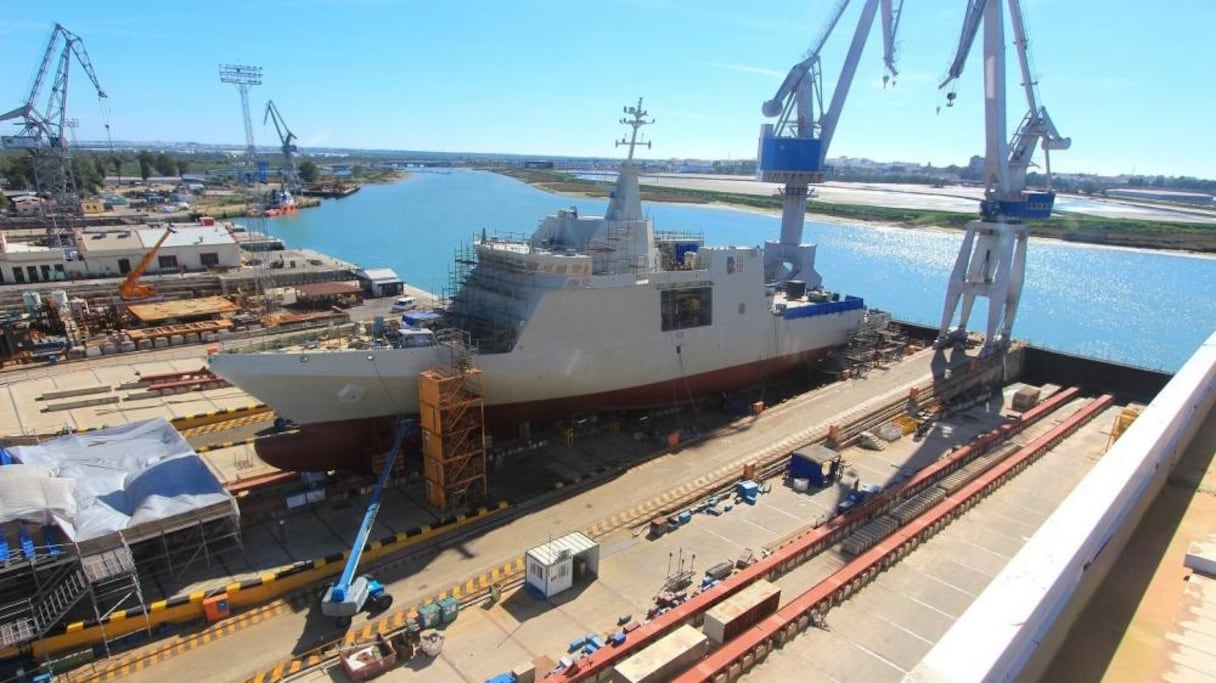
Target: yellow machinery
(131, 288)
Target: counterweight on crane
(287, 144)
(42, 133)
(793, 151)
(991, 262)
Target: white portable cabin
(551, 566)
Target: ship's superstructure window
(684, 308)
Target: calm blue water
(1137, 307)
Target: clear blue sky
(1130, 82)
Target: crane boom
(991, 262)
(41, 133)
(45, 129)
(131, 288)
(291, 179)
(971, 26)
(794, 150)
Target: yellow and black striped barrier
(221, 415)
(472, 588)
(254, 592)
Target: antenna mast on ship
(626, 200)
(639, 119)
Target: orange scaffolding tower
(453, 436)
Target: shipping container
(667, 657)
(741, 611)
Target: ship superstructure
(587, 314)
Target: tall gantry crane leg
(991, 264)
(992, 258)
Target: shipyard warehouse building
(113, 252)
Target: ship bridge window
(684, 308)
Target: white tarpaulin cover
(121, 476)
(32, 494)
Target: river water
(1144, 308)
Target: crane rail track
(816, 539)
(750, 647)
(877, 410)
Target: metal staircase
(29, 618)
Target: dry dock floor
(891, 624)
(483, 642)
(875, 636)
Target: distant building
(1162, 195)
(190, 248)
(114, 252)
(26, 205)
(21, 263)
(379, 282)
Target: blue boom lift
(350, 594)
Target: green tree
(357, 170)
(146, 161)
(308, 171)
(85, 173)
(19, 170)
(183, 165)
(99, 164)
(116, 161)
(165, 164)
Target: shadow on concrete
(318, 630)
(523, 604)
(1086, 653)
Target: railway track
(772, 459)
(953, 498)
(877, 411)
(817, 539)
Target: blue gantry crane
(793, 150)
(350, 594)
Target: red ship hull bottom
(350, 444)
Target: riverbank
(1118, 232)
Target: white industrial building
(378, 282)
(112, 252)
(551, 567)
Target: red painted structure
(860, 570)
(811, 543)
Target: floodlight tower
(243, 77)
